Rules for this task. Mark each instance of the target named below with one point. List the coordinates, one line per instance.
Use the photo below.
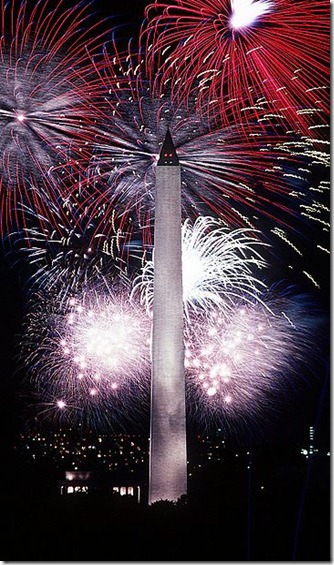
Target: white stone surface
(168, 454)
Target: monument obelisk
(168, 452)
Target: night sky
(309, 401)
(14, 279)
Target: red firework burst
(245, 50)
(246, 172)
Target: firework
(45, 98)
(245, 51)
(88, 354)
(242, 173)
(217, 267)
(240, 369)
(50, 252)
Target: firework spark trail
(217, 267)
(61, 249)
(242, 51)
(88, 352)
(87, 356)
(46, 86)
(240, 172)
(242, 368)
(66, 247)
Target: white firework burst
(217, 266)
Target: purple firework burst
(46, 94)
(240, 370)
(88, 353)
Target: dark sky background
(292, 519)
(311, 406)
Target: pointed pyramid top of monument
(168, 155)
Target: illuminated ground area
(270, 503)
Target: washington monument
(168, 453)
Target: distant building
(75, 450)
(86, 482)
(311, 450)
(311, 438)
